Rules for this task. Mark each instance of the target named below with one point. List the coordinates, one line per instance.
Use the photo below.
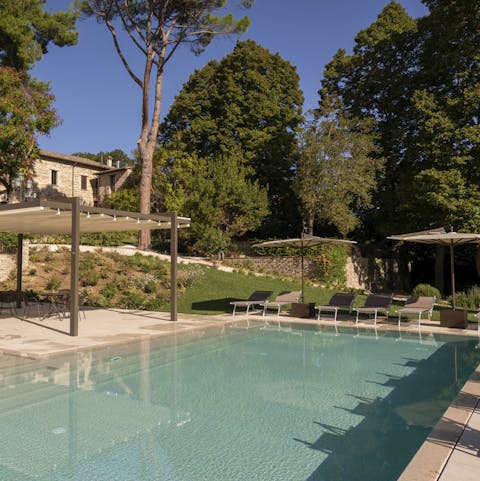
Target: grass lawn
(212, 293)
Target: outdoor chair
(257, 298)
(417, 306)
(8, 300)
(340, 300)
(375, 303)
(283, 299)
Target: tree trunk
(144, 236)
(439, 268)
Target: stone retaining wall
(8, 262)
(356, 268)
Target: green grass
(212, 293)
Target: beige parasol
(441, 236)
(303, 243)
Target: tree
(336, 171)
(222, 203)
(376, 82)
(26, 30)
(247, 105)
(157, 29)
(26, 112)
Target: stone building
(57, 176)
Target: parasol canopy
(303, 242)
(441, 237)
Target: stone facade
(58, 176)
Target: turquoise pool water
(239, 405)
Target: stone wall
(8, 261)
(356, 268)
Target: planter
(303, 309)
(451, 318)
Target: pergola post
(75, 252)
(173, 265)
(19, 269)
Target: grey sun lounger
(257, 298)
(417, 306)
(340, 300)
(283, 299)
(375, 303)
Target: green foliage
(470, 299)
(26, 112)
(330, 262)
(157, 29)
(109, 239)
(53, 283)
(419, 81)
(8, 241)
(427, 290)
(222, 203)
(188, 275)
(241, 113)
(336, 171)
(26, 30)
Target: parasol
(303, 243)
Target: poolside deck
(451, 453)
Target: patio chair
(417, 306)
(340, 300)
(8, 300)
(283, 299)
(375, 303)
(257, 298)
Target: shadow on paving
(366, 451)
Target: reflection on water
(246, 404)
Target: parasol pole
(452, 274)
(302, 254)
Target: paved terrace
(451, 452)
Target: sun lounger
(375, 303)
(340, 300)
(257, 298)
(283, 299)
(417, 306)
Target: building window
(112, 183)
(54, 177)
(83, 180)
(95, 186)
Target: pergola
(69, 217)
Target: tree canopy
(248, 107)
(156, 30)
(27, 29)
(419, 81)
(26, 112)
(336, 171)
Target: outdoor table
(57, 303)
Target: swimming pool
(250, 405)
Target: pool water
(238, 405)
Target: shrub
(89, 278)
(469, 299)
(188, 275)
(426, 290)
(53, 283)
(132, 300)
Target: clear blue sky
(100, 104)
